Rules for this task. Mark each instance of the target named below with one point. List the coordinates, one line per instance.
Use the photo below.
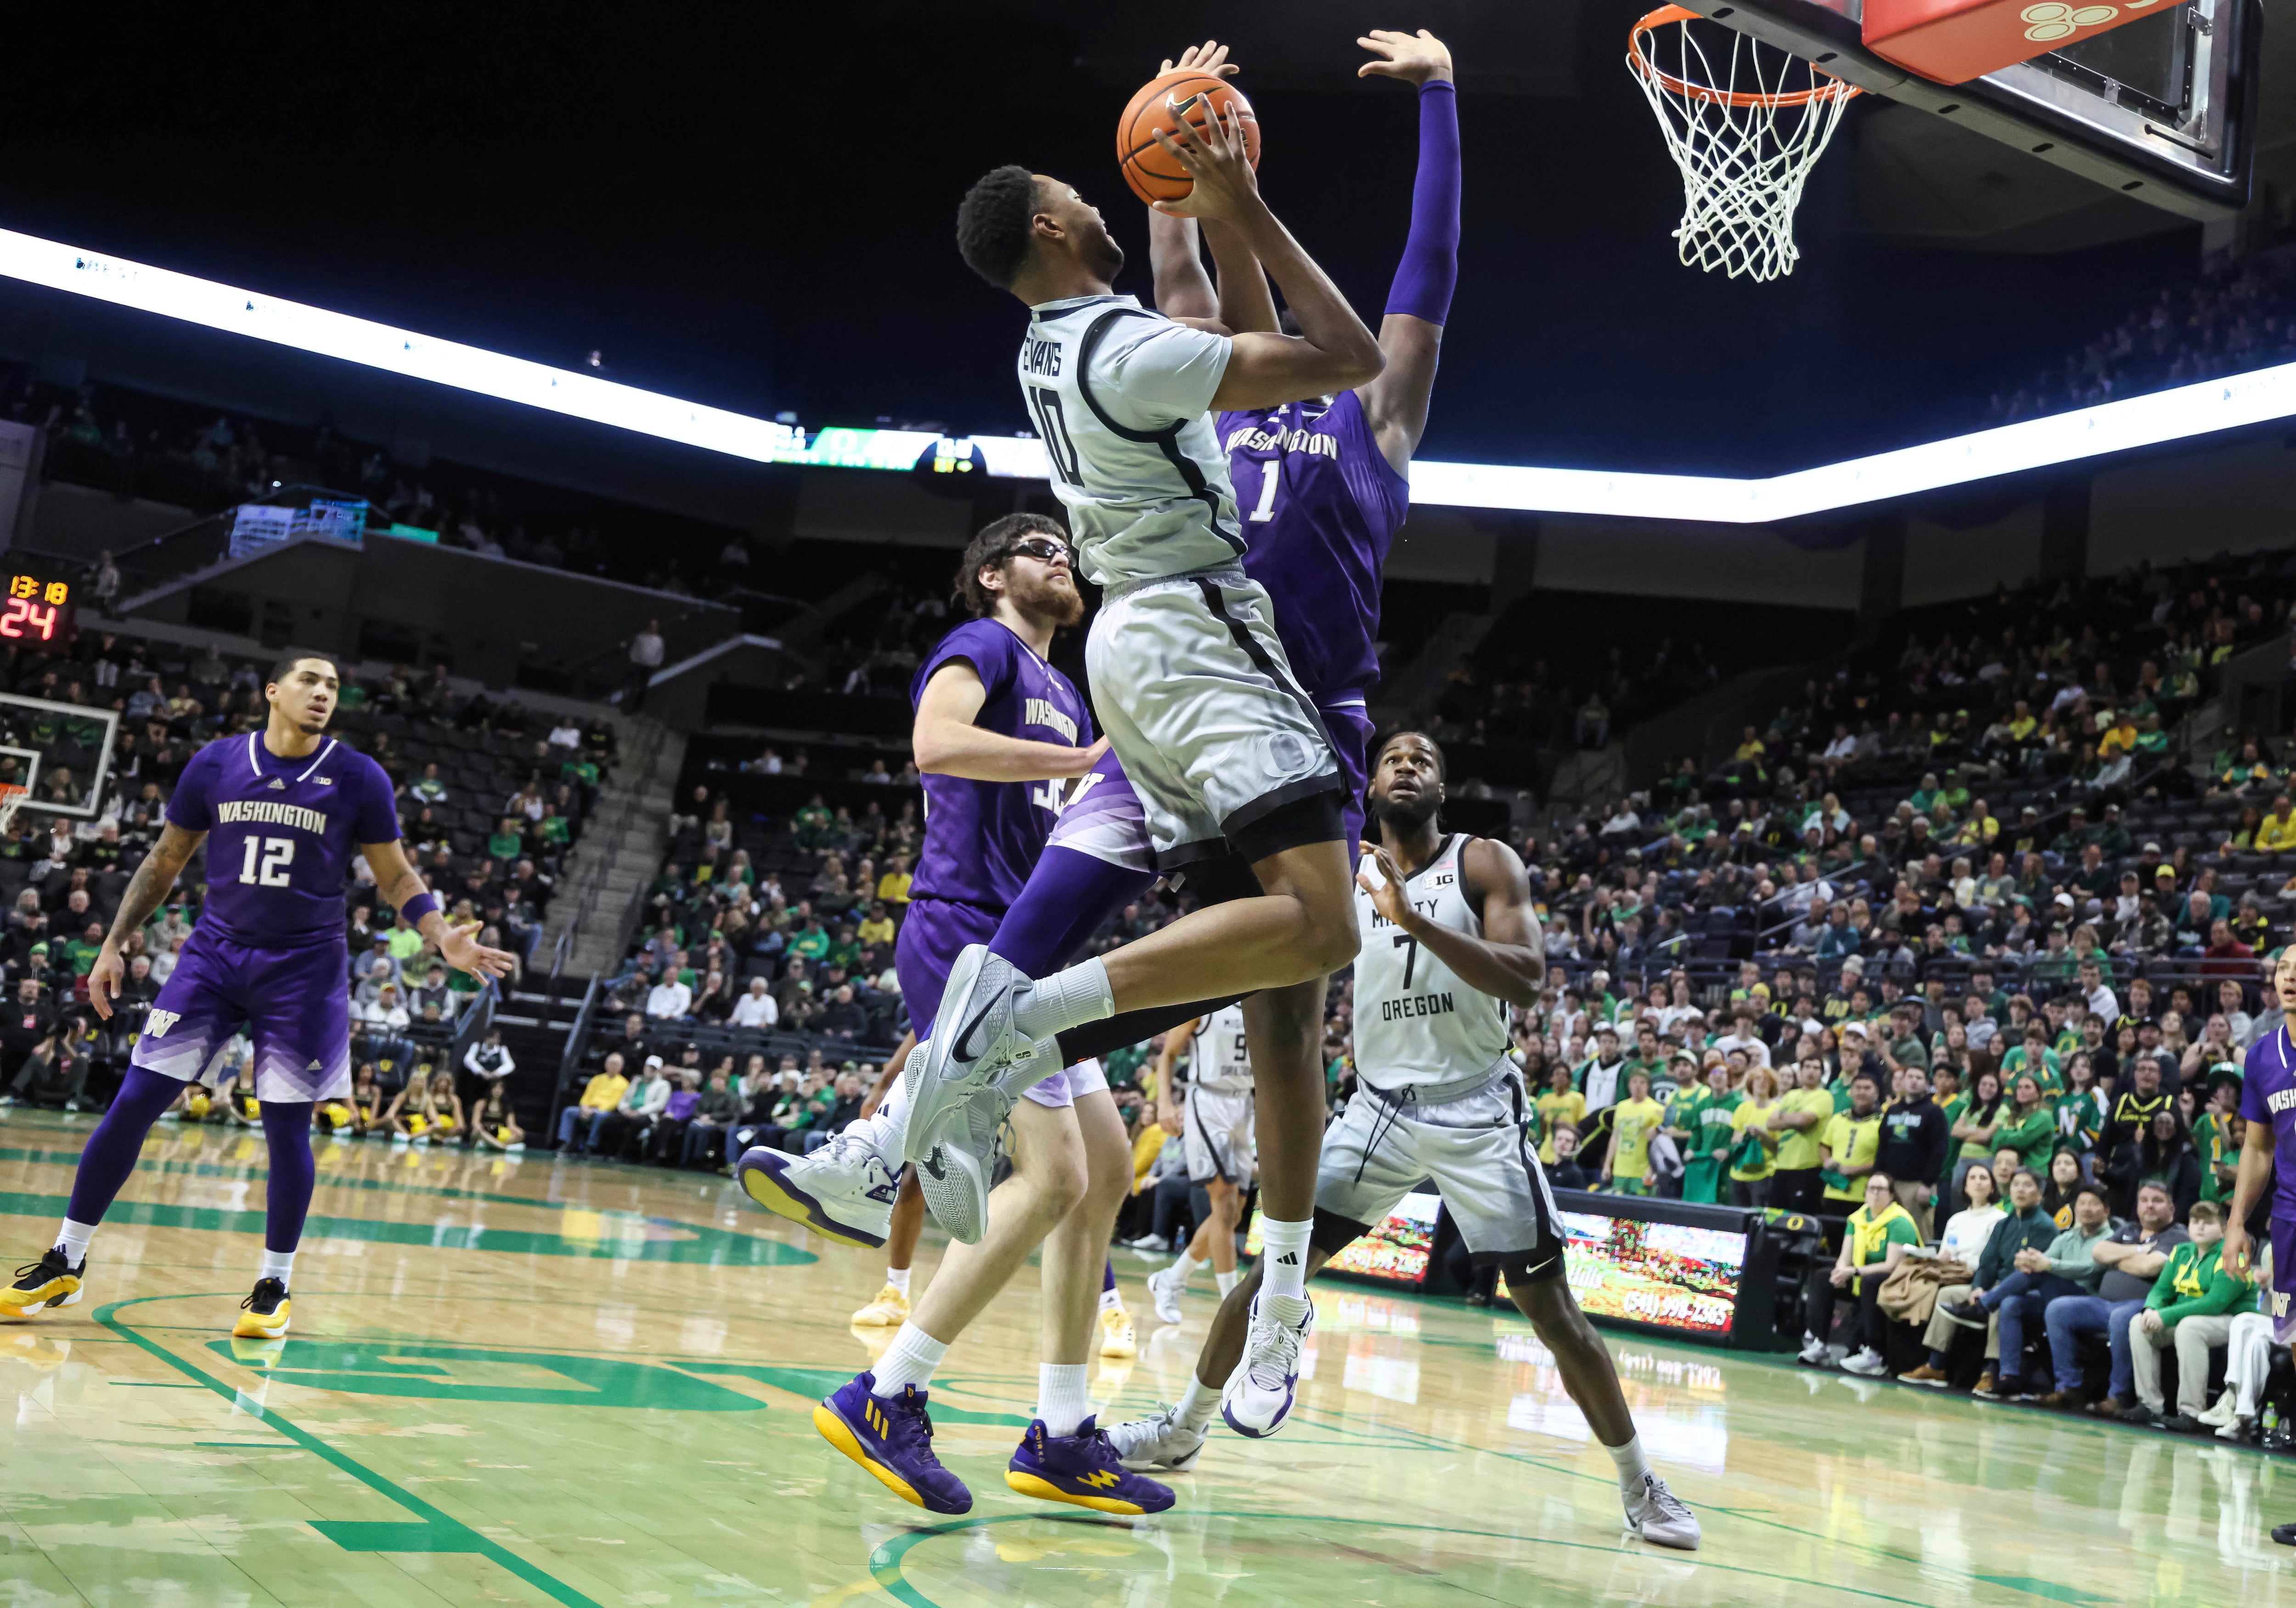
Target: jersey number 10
(1052, 424)
(277, 854)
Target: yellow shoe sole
(1032, 1485)
(251, 1328)
(834, 1430)
(33, 1308)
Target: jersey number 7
(1411, 960)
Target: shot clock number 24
(37, 610)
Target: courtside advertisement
(1664, 1274)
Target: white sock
(1111, 1300)
(1060, 1400)
(1284, 1256)
(888, 1125)
(910, 1359)
(1184, 1267)
(898, 1278)
(279, 1265)
(74, 1238)
(1632, 1464)
(1227, 1281)
(1198, 1403)
(1064, 1000)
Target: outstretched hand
(1206, 58)
(1415, 58)
(465, 953)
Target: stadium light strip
(2256, 397)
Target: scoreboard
(38, 610)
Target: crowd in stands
(490, 798)
(2242, 316)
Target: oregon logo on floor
(2055, 20)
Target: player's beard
(1408, 815)
(1039, 596)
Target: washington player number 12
(275, 856)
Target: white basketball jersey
(1219, 1063)
(1416, 1022)
(1118, 394)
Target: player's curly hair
(994, 223)
(993, 548)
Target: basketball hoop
(1745, 138)
(11, 800)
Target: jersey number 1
(277, 854)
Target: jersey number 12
(276, 855)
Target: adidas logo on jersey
(315, 1067)
(159, 1021)
(277, 785)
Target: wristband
(421, 905)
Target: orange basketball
(1183, 95)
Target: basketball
(1164, 102)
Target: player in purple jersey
(2267, 1157)
(281, 812)
(999, 735)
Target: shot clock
(38, 610)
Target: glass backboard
(61, 753)
(2162, 110)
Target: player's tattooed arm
(948, 744)
(1509, 960)
(147, 890)
(396, 882)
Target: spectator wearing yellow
(599, 1096)
(1635, 1122)
(2277, 833)
(893, 886)
(1874, 1241)
(1849, 1141)
(1800, 1121)
(1559, 1105)
(1754, 1150)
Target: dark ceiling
(758, 215)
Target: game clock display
(38, 610)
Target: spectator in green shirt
(2029, 1126)
(405, 941)
(508, 842)
(1874, 1242)
(2191, 1308)
(83, 950)
(809, 941)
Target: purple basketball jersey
(281, 834)
(982, 837)
(1320, 503)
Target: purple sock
(1107, 1276)
(287, 1129)
(1068, 896)
(1429, 269)
(110, 1155)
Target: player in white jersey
(1210, 1107)
(1450, 941)
(1231, 759)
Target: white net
(1744, 122)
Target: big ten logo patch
(159, 1021)
(2054, 19)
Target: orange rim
(1833, 89)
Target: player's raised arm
(1333, 351)
(401, 886)
(147, 890)
(948, 744)
(1411, 334)
(1509, 960)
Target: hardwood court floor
(527, 1381)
